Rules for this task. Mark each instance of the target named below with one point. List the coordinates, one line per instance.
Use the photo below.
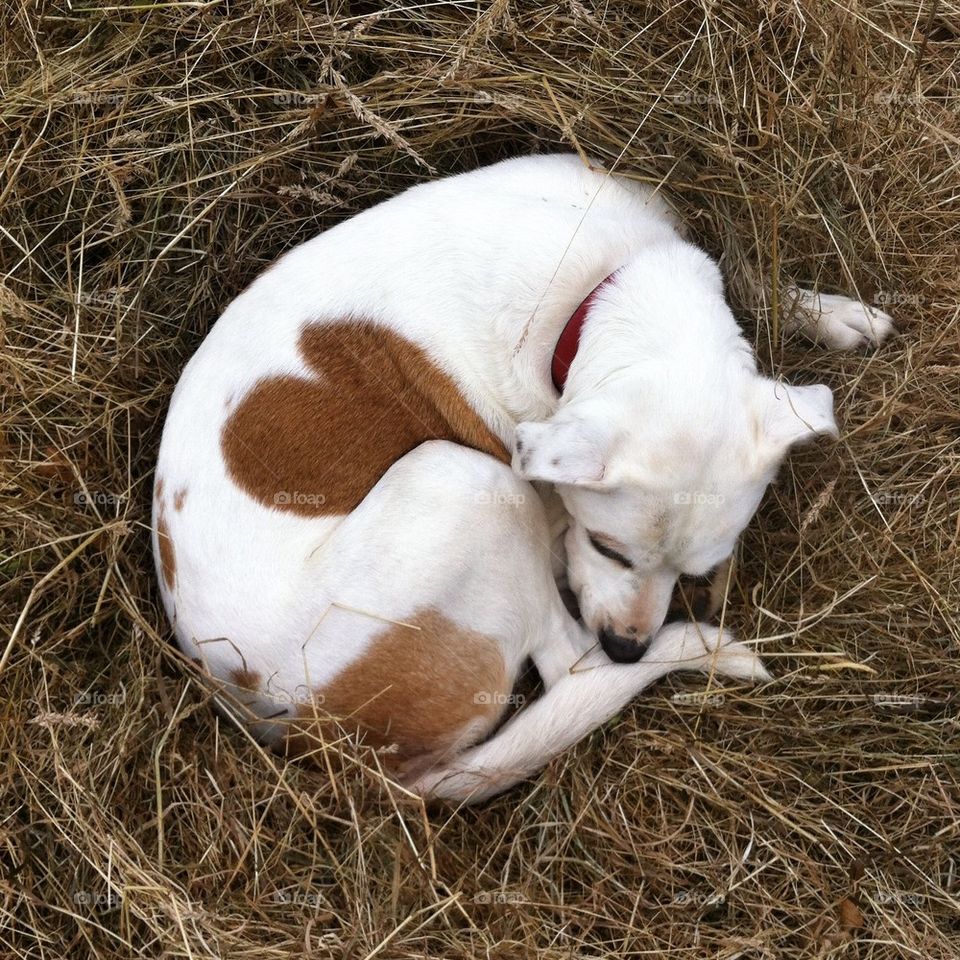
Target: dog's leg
(441, 582)
(567, 648)
(577, 704)
(837, 322)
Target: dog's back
(431, 265)
(349, 351)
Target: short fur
(337, 526)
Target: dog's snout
(622, 649)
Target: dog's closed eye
(605, 550)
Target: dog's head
(660, 483)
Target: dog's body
(338, 529)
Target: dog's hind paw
(739, 661)
(457, 782)
(703, 647)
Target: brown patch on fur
(245, 679)
(416, 688)
(168, 559)
(722, 577)
(158, 489)
(178, 499)
(700, 596)
(317, 446)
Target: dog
(394, 450)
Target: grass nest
(156, 156)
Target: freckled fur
(167, 553)
(245, 679)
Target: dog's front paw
(844, 324)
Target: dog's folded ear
(792, 415)
(561, 450)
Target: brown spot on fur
(178, 499)
(723, 577)
(245, 679)
(158, 489)
(700, 596)
(420, 689)
(690, 600)
(168, 559)
(317, 446)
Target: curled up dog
(400, 443)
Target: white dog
(344, 520)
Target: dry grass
(156, 157)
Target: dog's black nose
(621, 649)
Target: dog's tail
(579, 703)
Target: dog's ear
(562, 450)
(790, 415)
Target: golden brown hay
(156, 157)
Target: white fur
(838, 322)
(665, 437)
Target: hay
(156, 157)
